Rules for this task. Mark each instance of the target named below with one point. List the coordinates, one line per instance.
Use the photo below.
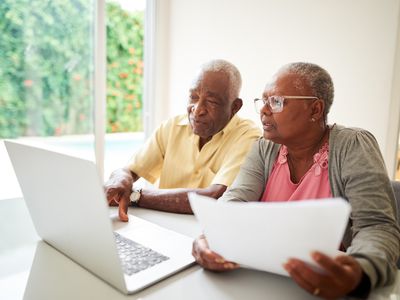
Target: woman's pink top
(313, 185)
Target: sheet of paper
(263, 236)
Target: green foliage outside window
(46, 68)
(124, 69)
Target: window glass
(46, 79)
(46, 58)
(46, 75)
(124, 126)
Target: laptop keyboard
(136, 257)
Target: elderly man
(200, 151)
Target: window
(125, 36)
(47, 78)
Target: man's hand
(210, 260)
(342, 275)
(118, 190)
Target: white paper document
(264, 236)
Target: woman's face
(294, 121)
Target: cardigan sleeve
(250, 182)
(359, 175)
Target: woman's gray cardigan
(357, 173)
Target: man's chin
(199, 131)
(202, 134)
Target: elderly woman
(301, 157)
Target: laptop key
(135, 257)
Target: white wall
(356, 41)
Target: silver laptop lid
(57, 188)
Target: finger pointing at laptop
(118, 191)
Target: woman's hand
(342, 275)
(210, 260)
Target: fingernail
(315, 255)
(228, 266)
(287, 266)
(219, 260)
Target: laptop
(66, 201)
(264, 235)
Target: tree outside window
(46, 69)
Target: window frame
(100, 80)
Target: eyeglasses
(275, 103)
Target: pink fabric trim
(313, 185)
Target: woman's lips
(267, 126)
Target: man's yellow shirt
(171, 155)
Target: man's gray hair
(233, 74)
(317, 78)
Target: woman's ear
(317, 109)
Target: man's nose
(199, 108)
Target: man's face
(210, 108)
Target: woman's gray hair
(233, 74)
(317, 78)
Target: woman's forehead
(287, 84)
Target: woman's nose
(266, 109)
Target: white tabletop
(30, 269)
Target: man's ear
(236, 105)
